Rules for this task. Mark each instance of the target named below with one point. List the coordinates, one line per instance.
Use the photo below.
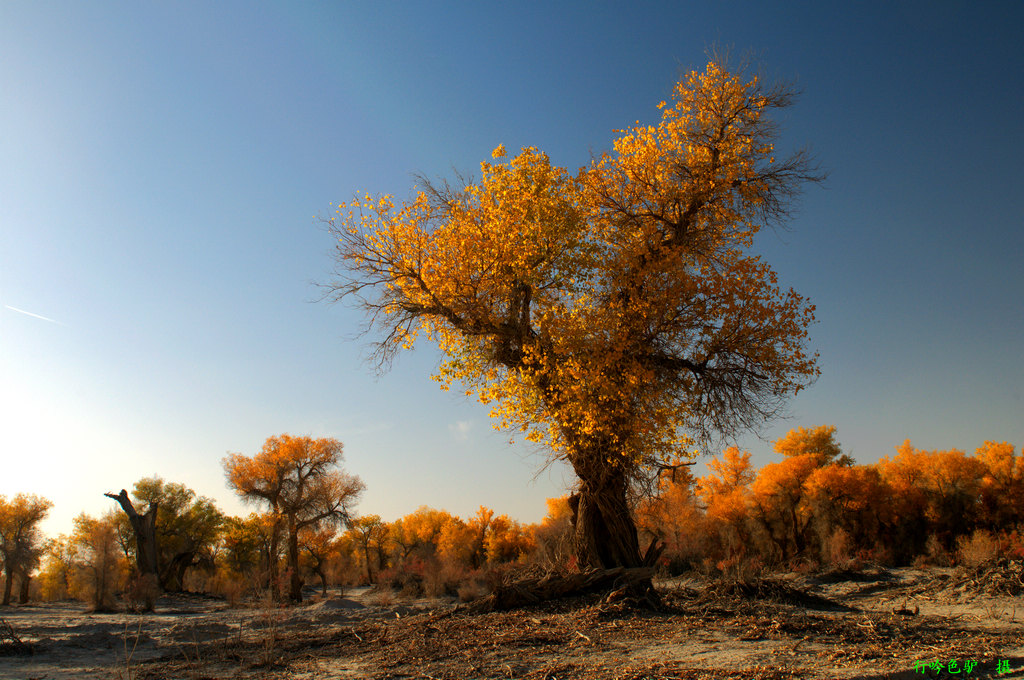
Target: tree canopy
(187, 527)
(615, 315)
(20, 540)
(299, 478)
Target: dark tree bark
(604, 534)
(318, 569)
(295, 583)
(366, 554)
(273, 562)
(23, 582)
(8, 585)
(174, 573)
(144, 527)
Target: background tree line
(816, 507)
(813, 508)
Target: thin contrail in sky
(22, 311)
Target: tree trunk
(323, 578)
(295, 593)
(273, 573)
(174, 573)
(144, 527)
(23, 583)
(604, 534)
(8, 585)
(366, 554)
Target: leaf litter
(831, 626)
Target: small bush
(382, 598)
(443, 579)
(232, 586)
(978, 548)
(408, 581)
(936, 553)
(836, 548)
(143, 590)
(803, 565)
(739, 568)
(881, 554)
(412, 586)
(1015, 545)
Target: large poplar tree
(616, 315)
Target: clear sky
(161, 165)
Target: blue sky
(161, 166)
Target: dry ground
(876, 623)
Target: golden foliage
(613, 315)
(820, 441)
(100, 570)
(298, 478)
(20, 540)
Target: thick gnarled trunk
(173, 580)
(604, 534)
(144, 528)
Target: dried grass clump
(977, 549)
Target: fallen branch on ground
(620, 580)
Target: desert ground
(870, 623)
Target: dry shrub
(269, 622)
(143, 590)
(739, 568)
(1015, 545)
(803, 565)
(230, 585)
(443, 579)
(200, 579)
(836, 548)
(472, 585)
(978, 548)
(880, 554)
(414, 578)
(382, 598)
(412, 586)
(553, 544)
(344, 574)
(386, 578)
(936, 553)
(96, 587)
(406, 581)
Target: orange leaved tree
(299, 478)
(821, 441)
(20, 540)
(616, 314)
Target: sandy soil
(875, 624)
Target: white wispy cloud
(37, 316)
(460, 430)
